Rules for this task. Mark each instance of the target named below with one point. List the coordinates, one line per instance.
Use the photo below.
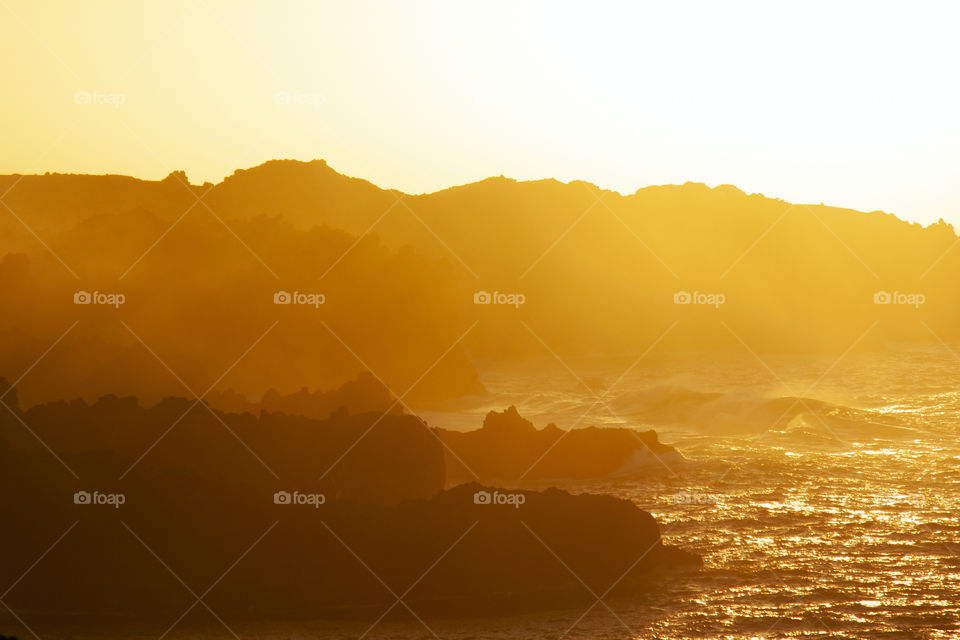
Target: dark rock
(509, 449)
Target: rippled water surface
(838, 518)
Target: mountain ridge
(592, 272)
(272, 167)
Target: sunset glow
(849, 104)
(393, 320)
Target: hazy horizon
(196, 183)
(847, 104)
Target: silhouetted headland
(400, 299)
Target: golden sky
(853, 104)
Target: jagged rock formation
(198, 487)
(510, 449)
(366, 394)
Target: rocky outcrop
(363, 395)
(510, 449)
(367, 457)
(328, 517)
(471, 550)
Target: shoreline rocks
(311, 542)
(510, 449)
